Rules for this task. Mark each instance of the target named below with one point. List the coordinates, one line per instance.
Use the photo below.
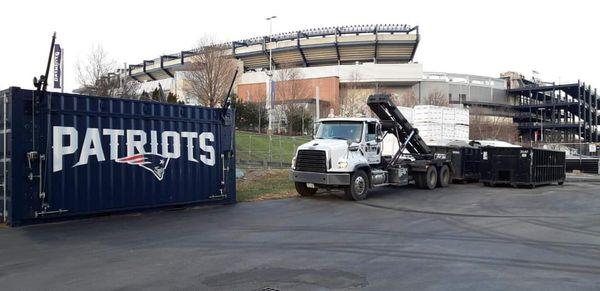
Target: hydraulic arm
(394, 122)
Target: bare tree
(407, 99)
(209, 73)
(96, 76)
(292, 90)
(437, 98)
(290, 85)
(355, 100)
(92, 73)
(128, 88)
(488, 125)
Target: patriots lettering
(138, 150)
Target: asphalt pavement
(465, 237)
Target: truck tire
(444, 176)
(357, 190)
(430, 178)
(303, 190)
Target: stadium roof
(389, 43)
(381, 43)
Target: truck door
(372, 144)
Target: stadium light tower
(270, 75)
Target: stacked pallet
(437, 123)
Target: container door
(4, 156)
(504, 165)
(115, 154)
(524, 168)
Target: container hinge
(32, 157)
(220, 196)
(31, 176)
(45, 212)
(224, 170)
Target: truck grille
(311, 161)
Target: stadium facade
(341, 62)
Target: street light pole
(270, 19)
(270, 75)
(542, 123)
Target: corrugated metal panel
(100, 154)
(522, 166)
(465, 161)
(6, 146)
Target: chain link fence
(255, 150)
(262, 151)
(580, 157)
(584, 149)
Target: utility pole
(270, 19)
(317, 105)
(270, 92)
(541, 110)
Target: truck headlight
(342, 164)
(293, 163)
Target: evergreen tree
(156, 95)
(172, 98)
(145, 96)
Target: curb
(582, 180)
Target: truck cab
(360, 133)
(346, 153)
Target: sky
(558, 39)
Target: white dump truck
(346, 153)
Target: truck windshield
(351, 131)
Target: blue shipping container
(66, 155)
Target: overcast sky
(559, 39)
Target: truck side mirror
(379, 139)
(315, 128)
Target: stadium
(336, 64)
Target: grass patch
(265, 185)
(255, 147)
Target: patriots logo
(154, 163)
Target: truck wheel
(357, 190)
(431, 178)
(444, 176)
(303, 190)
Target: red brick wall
(329, 89)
